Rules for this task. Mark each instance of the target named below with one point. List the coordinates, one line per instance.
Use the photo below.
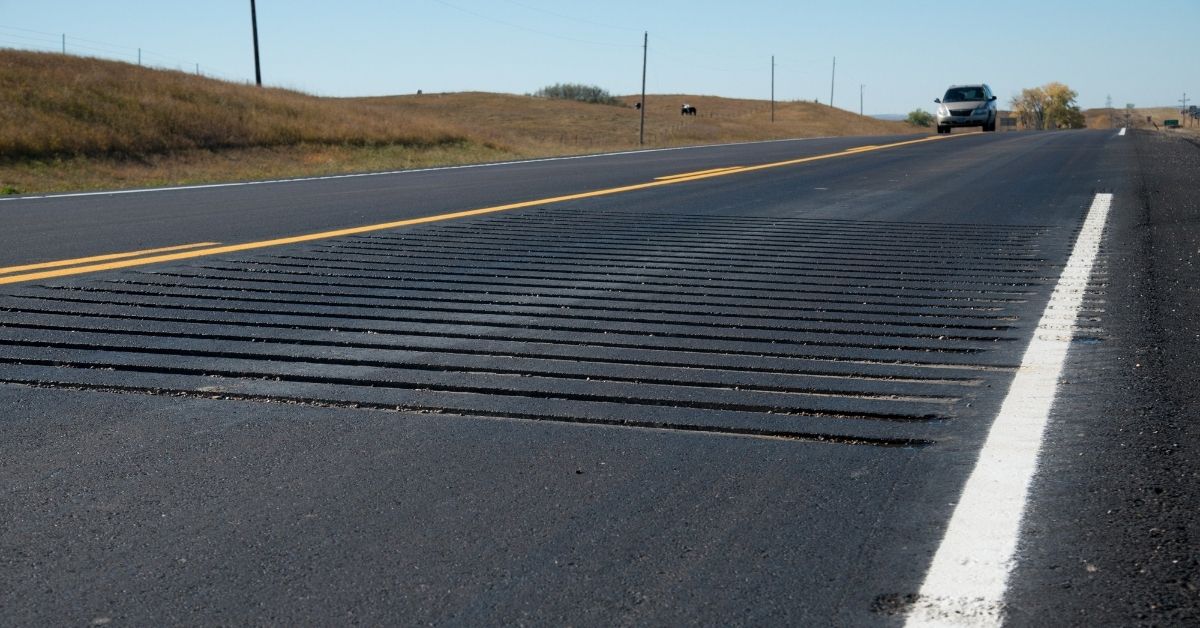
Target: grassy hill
(556, 126)
(72, 123)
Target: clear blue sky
(902, 51)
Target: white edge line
(492, 164)
(967, 579)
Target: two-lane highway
(744, 384)
(70, 226)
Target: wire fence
(65, 43)
(667, 52)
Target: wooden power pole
(254, 27)
(645, 49)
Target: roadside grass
(197, 166)
(1115, 118)
(71, 123)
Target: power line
(705, 51)
(572, 18)
(527, 29)
(691, 63)
(796, 63)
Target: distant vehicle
(966, 105)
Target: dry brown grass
(1115, 118)
(553, 126)
(233, 164)
(70, 123)
(55, 105)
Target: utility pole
(197, 69)
(861, 87)
(139, 56)
(64, 43)
(1184, 101)
(772, 88)
(254, 27)
(645, 53)
(832, 78)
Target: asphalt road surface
(750, 384)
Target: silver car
(966, 105)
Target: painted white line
(1122, 133)
(493, 164)
(965, 583)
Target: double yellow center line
(115, 261)
(693, 174)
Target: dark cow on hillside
(687, 110)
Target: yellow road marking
(802, 160)
(100, 258)
(248, 246)
(692, 174)
(857, 149)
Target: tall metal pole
(772, 88)
(645, 49)
(64, 43)
(254, 27)
(139, 56)
(861, 87)
(832, 77)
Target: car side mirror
(991, 99)
(937, 100)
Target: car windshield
(961, 94)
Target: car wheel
(943, 129)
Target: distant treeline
(579, 92)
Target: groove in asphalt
(902, 322)
(660, 408)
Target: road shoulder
(1111, 535)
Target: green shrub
(579, 92)
(920, 117)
